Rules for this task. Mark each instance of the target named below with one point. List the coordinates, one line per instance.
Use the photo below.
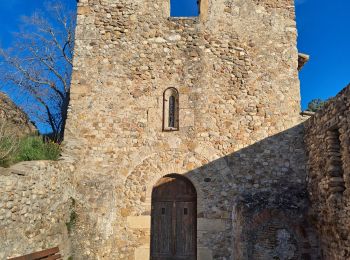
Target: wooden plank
(38, 255)
(161, 228)
(185, 230)
(45, 253)
(53, 257)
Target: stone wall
(327, 140)
(12, 119)
(35, 206)
(274, 225)
(235, 68)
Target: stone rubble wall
(274, 226)
(13, 119)
(35, 206)
(235, 68)
(329, 175)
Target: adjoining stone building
(206, 108)
(327, 142)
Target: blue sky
(324, 33)
(11, 12)
(183, 8)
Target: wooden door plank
(161, 240)
(185, 230)
(173, 229)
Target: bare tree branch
(38, 65)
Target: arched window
(184, 8)
(171, 110)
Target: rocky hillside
(13, 117)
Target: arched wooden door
(174, 219)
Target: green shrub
(28, 148)
(72, 220)
(34, 148)
(317, 104)
(73, 216)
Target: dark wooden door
(173, 234)
(162, 233)
(185, 230)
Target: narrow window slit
(185, 211)
(163, 211)
(171, 110)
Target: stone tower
(201, 112)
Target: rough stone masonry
(239, 140)
(240, 133)
(327, 141)
(13, 121)
(35, 208)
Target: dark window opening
(163, 211)
(185, 211)
(171, 111)
(184, 8)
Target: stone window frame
(202, 12)
(171, 92)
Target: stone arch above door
(146, 174)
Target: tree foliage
(37, 67)
(316, 104)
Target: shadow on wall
(251, 204)
(328, 144)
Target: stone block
(155, 119)
(211, 225)
(142, 253)
(186, 117)
(184, 102)
(139, 222)
(204, 253)
(80, 90)
(83, 10)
